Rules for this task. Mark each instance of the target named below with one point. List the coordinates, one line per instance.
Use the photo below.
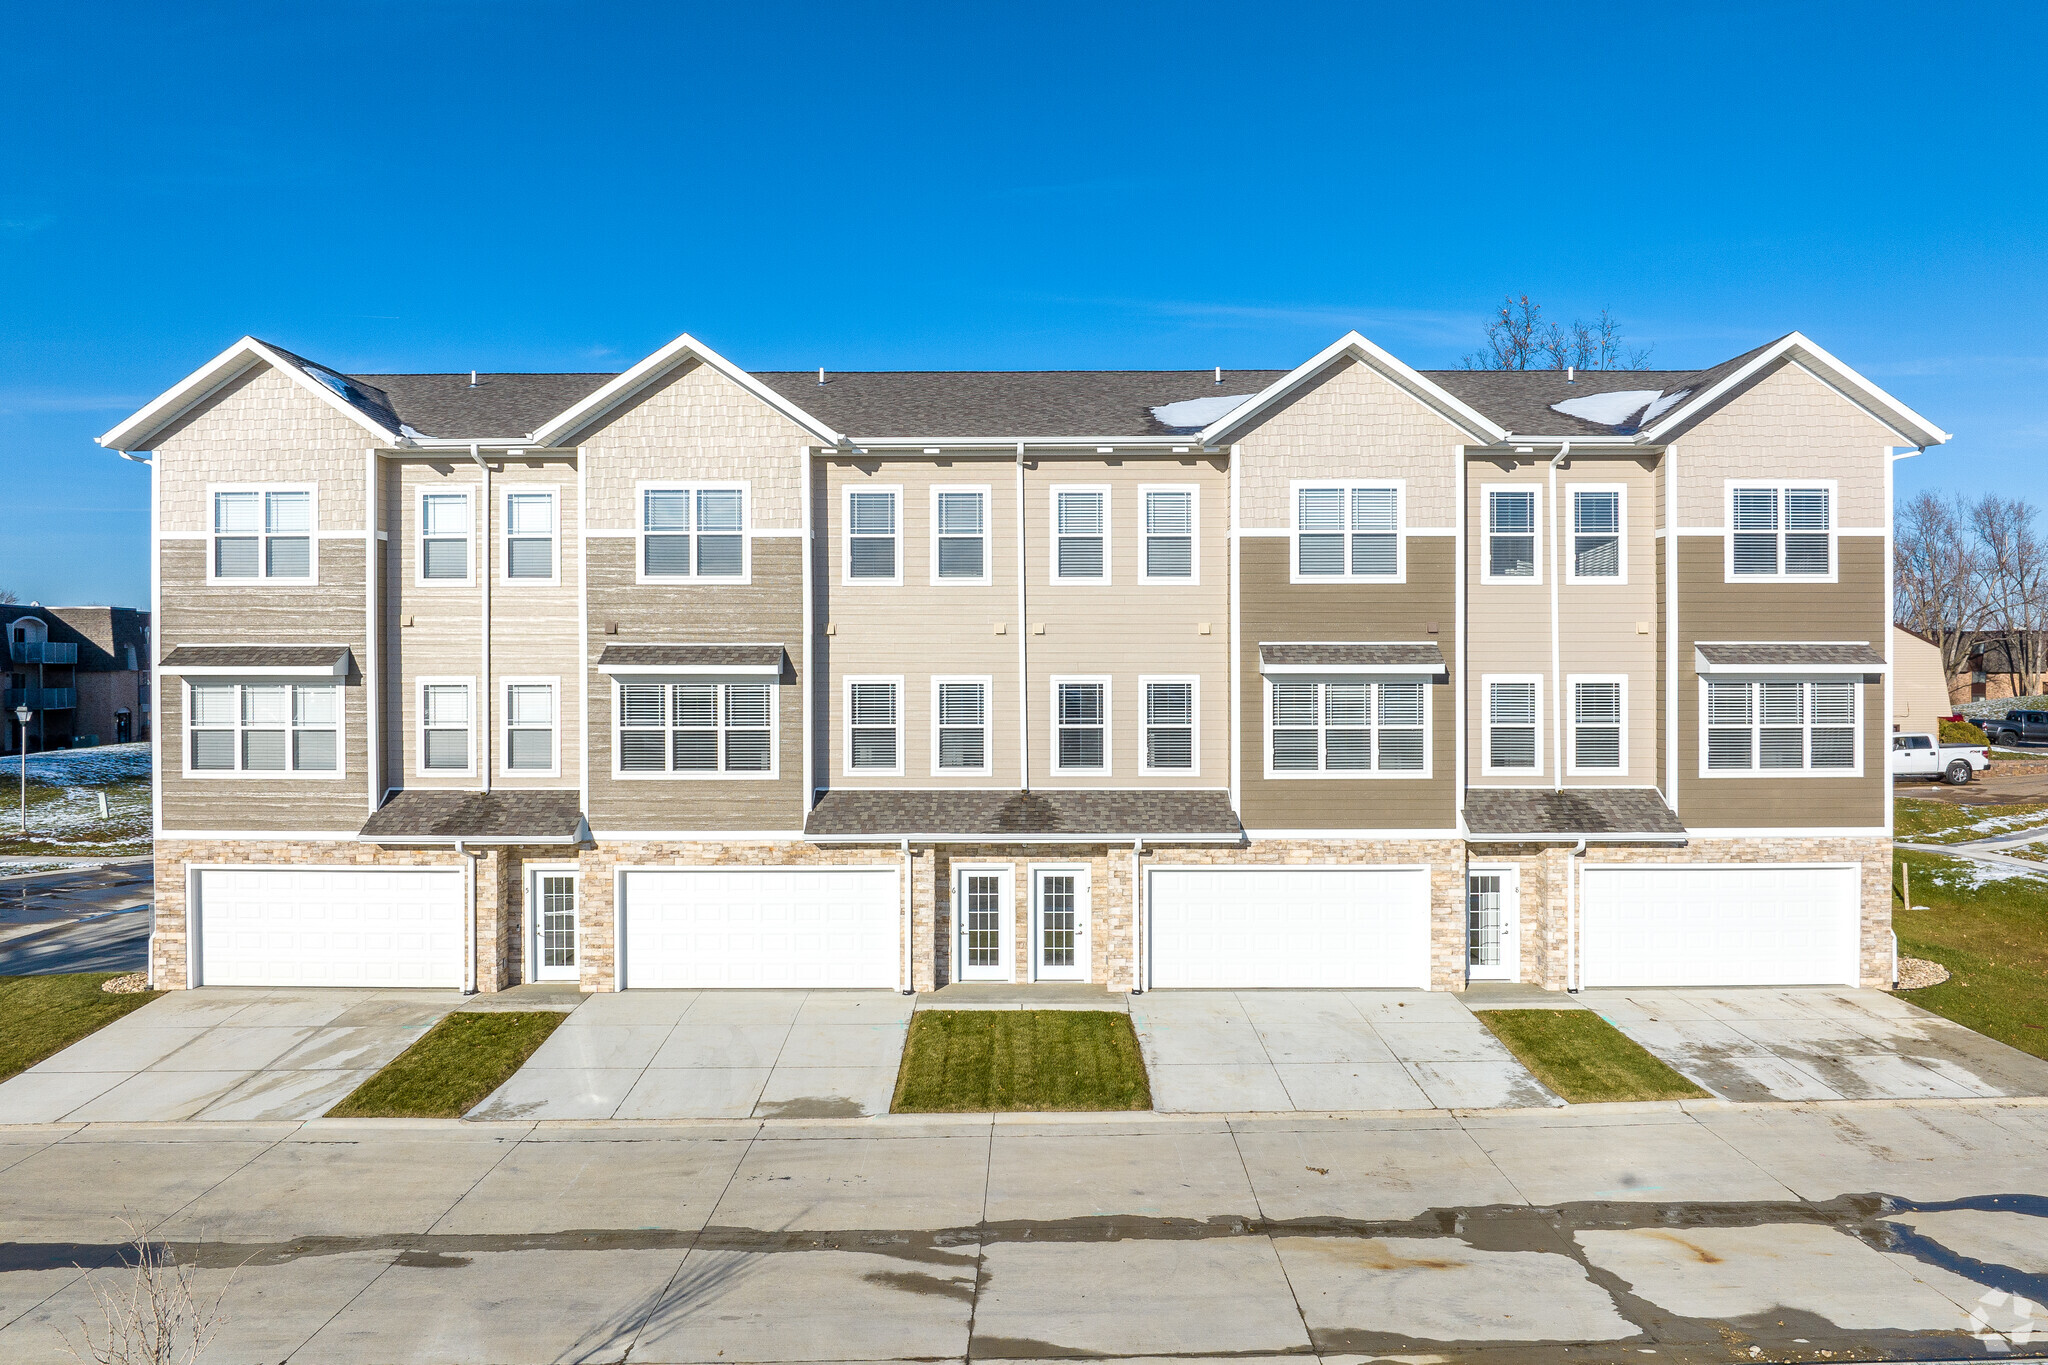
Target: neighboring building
(1343, 676)
(83, 671)
(1988, 675)
(1920, 693)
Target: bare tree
(1937, 577)
(8, 599)
(1519, 339)
(2014, 575)
(154, 1319)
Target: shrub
(1962, 732)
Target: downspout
(1571, 918)
(1137, 916)
(903, 983)
(469, 916)
(1556, 648)
(1023, 647)
(485, 749)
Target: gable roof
(361, 404)
(1458, 412)
(681, 351)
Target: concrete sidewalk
(1692, 1233)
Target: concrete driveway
(1817, 1043)
(714, 1054)
(225, 1052)
(1260, 1051)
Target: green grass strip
(1991, 934)
(973, 1061)
(40, 1016)
(449, 1071)
(1584, 1059)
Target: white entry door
(1493, 941)
(306, 926)
(1059, 924)
(1247, 927)
(552, 894)
(985, 913)
(1724, 925)
(761, 927)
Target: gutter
(903, 981)
(1600, 837)
(1572, 983)
(1023, 644)
(1556, 628)
(1002, 837)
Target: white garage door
(279, 926)
(1720, 926)
(761, 927)
(1294, 926)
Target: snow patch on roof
(1608, 409)
(1662, 406)
(1192, 414)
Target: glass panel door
(1060, 926)
(1490, 915)
(983, 905)
(554, 931)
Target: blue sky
(437, 185)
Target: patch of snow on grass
(1608, 409)
(101, 766)
(1192, 414)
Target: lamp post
(21, 713)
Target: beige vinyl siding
(1786, 425)
(1350, 422)
(1710, 609)
(1272, 609)
(258, 613)
(695, 424)
(769, 610)
(1509, 624)
(262, 427)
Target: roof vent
(1571, 374)
(472, 379)
(1219, 374)
(821, 376)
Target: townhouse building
(1348, 675)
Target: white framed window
(1080, 526)
(1599, 543)
(1168, 551)
(1781, 532)
(960, 548)
(1511, 552)
(872, 546)
(442, 557)
(262, 533)
(1599, 738)
(528, 546)
(1080, 729)
(1511, 740)
(446, 740)
(1349, 532)
(874, 727)
(1781, 729)
(693, 533)
(960, 729)
(694, 729)
(1171, 743)
(1346, 727)
(532, 742)
(263, 729)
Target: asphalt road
(92, 919)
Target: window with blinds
(444, 538)
(1346, 728)
(1081, 725)
(1510, 548)
(1169, 536)
(1780, 531)
(960, 724)
(1598, 552)
(1169, 725)
(530, 535)
(1513, 730)
(1080, 535)
(1781, 728)
(692, 531)
(874, 726)
(696, 729)
(960, 535)
(280, 728)
(446, 720)
(529, 727)
(873, 554)
(1347, 531)
(263, 533)
(1598, 726)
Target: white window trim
(1052, 526)
(1194, 492)
(1108, 723)
(534, 872)
(987, 538)
(669, 773)
(1194, 722)
(1486, 682)
(1571, 533)
(1294, 573)
(504, 537)
(240, 773)
(1754, 773)
(846, 578)
(505, 727)
(988, 725)
(419, 727)
(1485, 532)
(312, 578)
(1834, 573)
(1571, 691)
(420, 494)
(846, 768)
(643, 487)
(1375, 773)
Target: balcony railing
(41, 652)
(44, 698)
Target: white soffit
(141, 430)
(1910, 425)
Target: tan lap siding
(1272, 609)
(262, 428)
(1786, 425)
(1710, 608)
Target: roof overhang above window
(258, 661)
(1383, 659)
(1777, 659)
(697, 662)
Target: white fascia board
(691, 670)
(1227, 427)
(1107, 837)
(139, 431)
(1351, 670)
(339, 670)
(1910, 425)
(1047, 445)
(1713, 670)
(1685, 838)
(684, 347)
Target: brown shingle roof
(1418, 654)
(256, 657)
(1540, 812)
(1077, 816)
(500, 817)
(1790, 654)
(691, 656)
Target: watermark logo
(2002, 1321)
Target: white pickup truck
(1924, 756)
